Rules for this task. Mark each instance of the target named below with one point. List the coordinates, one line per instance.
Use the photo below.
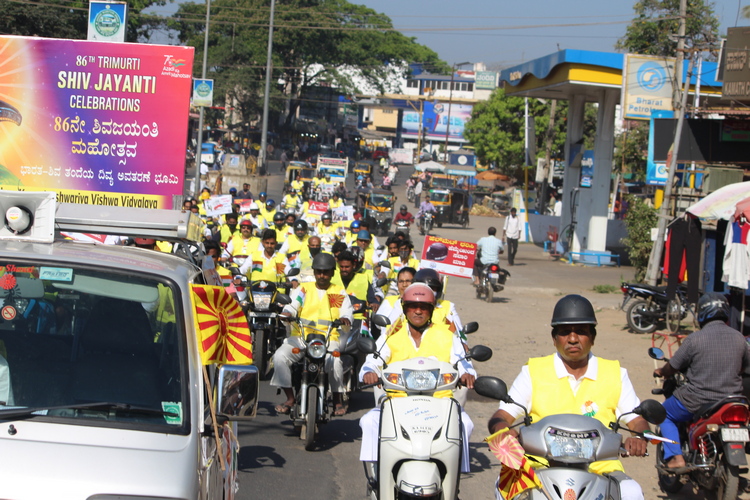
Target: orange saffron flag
(221, 326)
(335, 300)
(514, 481)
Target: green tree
(316, 42)
(639, 220)
(656, 23)
(631, 147)
(496, 130)
(69, 19)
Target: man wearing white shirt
(511, 234)
(575, 381)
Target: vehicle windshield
(443, 182)
(333, 172)
(381, 200)
(308, 173)
(440, 197)
(87, 344)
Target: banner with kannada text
(452, 257)
(98, 123)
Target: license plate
(735, 435)
(261, 315)
(494, 276)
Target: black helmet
(437, 251)
(326, 216)
(279, 217)
(324, 262)
(403, 207)
(432, 279)
(300, 225)
(573, 310)
(712, 307)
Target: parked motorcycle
(646, 306)
(262, 305)
(492, 279)
(570, 443)
(421, 438)
(426, 223)
(713, 444)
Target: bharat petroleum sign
(647, 85)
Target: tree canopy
(314, 42)
(496, 130)
(653, 30)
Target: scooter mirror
(491, 387)
(480, 353)
(471, 327)
(381, 282)
(652, 411)
(235, 271)
(366, 345)
(294, 272)
(655, 353)
(283, 299)
(384, 263)
(381, 321)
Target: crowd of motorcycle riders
(339, 275)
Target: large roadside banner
(98, 123)
(448, 256)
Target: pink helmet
(418, 292)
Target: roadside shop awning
(462, 170)
(430, 166)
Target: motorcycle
(403, 226)
(646, 306)
(421, 437)
(570, 443)
(492, 279)
(713, 443)
(262, 304)
(426, 223)
(313, 405)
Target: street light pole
(262, 163)
(199, 147)
(450, 102)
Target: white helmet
(254, 206)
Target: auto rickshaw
(299, 170)
(363, 168)
(442, 181)
(452, 206)
(379, 210)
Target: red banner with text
(452, 257)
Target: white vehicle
(421, 438)
(104, 392)
(337, 168)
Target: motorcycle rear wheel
(490, 293)
(312, 416)
(729, 481)
(637, 317)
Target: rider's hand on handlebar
(345, 322)
(370, 378)
(467, 380)
(658, 374)
(636, 446)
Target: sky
(502, 33)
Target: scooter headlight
(571, 447)
(421, 380)
(316, 349)
(262, 301)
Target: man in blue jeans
(713, 360)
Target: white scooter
(421, 437)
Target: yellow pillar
(658, 198)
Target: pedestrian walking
(417, 193)
(511, 233)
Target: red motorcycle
(713, 444)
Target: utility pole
(657, 250)
(199, 147)
(262, 158)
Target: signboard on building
(435, 120)
(98, 123)
(486, 80)
(736, 65)
(107, 21)
(646, 86)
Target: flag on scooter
(221, 325)
(516, 473)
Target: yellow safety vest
(318, 311)
(437, 341)
(594, 398)
(295, 244)
(397, 265)
(291, 201)
(333, 204)
(324, 230)
(242, 246)
(440, 314)
(226, 233)
(357, 286)
(264, 268)
(268, 216)
(281, 234)
(297, 185)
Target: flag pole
(217, 436)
